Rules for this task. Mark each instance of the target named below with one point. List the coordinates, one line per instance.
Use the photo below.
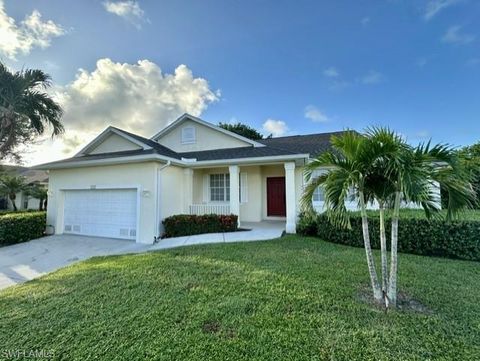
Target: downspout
(157, 201)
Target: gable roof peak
(107, 132)
(187, 116)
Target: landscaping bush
(19, 227)
(186, 225)
(458, 239)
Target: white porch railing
(200, 209)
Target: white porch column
(291, 226)
(234, 171)
(188, 189)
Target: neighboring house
(22, 200)
(122, 185)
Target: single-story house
(22, 200)
(122, 185)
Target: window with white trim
(188, 135)
(319, 193)
(219, 187)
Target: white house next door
(101, 212)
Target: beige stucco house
(123, 185)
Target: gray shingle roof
(312, 144)
(31, 175)
(234, 153)
(160, 149)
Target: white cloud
(129, 10)
(435, 6)
(365, 21)
(136, 97)
(422, 134)
(331, 72)
(421, 62)
(372, 77)
(275, 127)
(455, 36)
(32, 32)
(473, 61)
(315, 114)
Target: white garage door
(101, 212)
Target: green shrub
(19, 227)
(458, 239)
(186, 225)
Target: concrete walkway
(26, 261)
(257, 232)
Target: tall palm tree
(10, 186)
(417, 176)
(25, 108)
(348, 167)
(380, 166)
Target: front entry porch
(255, 193)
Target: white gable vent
(188, 135)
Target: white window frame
(226, 190)
(192, 139)
(319, 191)
(243, 188)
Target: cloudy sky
(284, 67)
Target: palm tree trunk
(383, 248)
(392, 283)
(377, 293)
(12, 199)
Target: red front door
(276, 204)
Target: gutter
(180, 162)
(157, 201)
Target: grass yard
(289, 299)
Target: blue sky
(307, 66)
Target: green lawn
(289, 299)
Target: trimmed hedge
(19, 227)
(187, 225)
(458, 239)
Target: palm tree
(348, 168)
(39, 192)
(380, 166)
(25, 108)
(10, 186)
(417, 176)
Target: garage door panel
(103, 212)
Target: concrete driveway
(25, 261)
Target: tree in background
(379, 166)
(470, 156)
(10, 186)
(243, 130)
(25, 109)
(39, 192)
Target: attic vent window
(188, 135)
